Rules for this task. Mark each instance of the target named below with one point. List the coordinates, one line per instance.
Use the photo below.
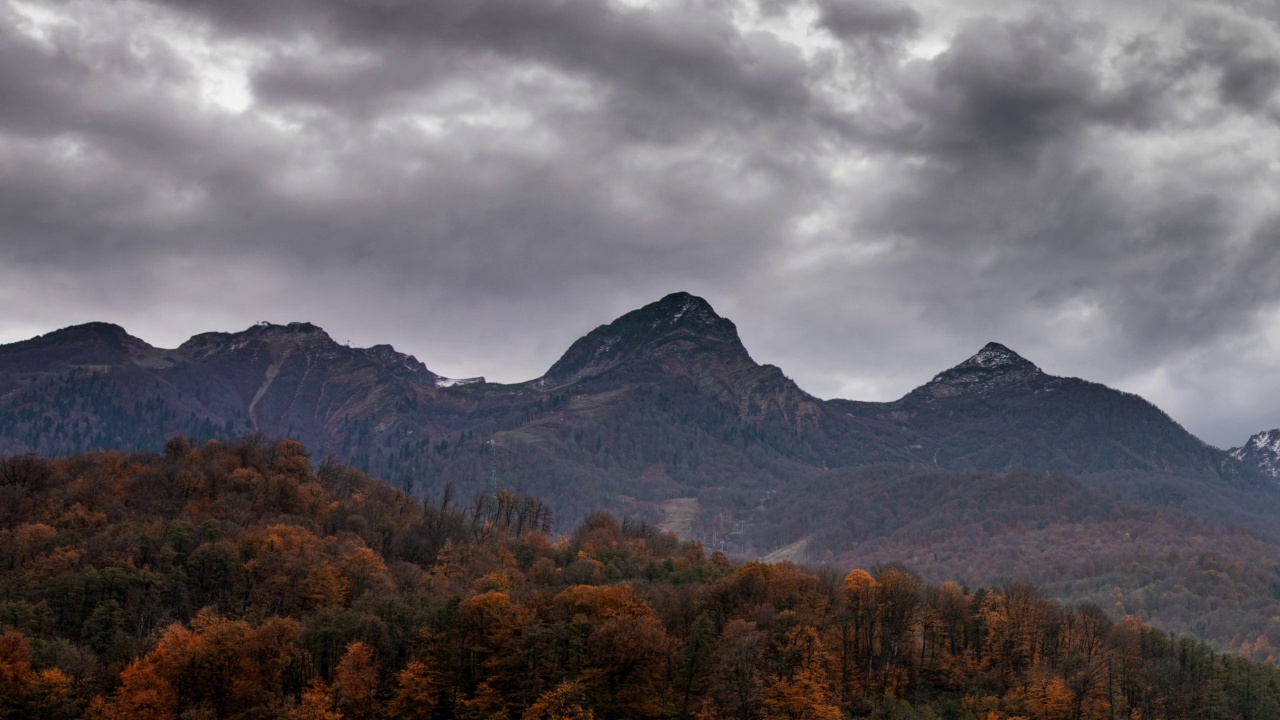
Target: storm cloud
(871, 189)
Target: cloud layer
(871, 189)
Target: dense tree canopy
(236, 580)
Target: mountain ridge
(678, 336)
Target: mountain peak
(91, 331)
(102, 335)
(1266, 439)
(1261, 451)
(994, 356)
(679, 309)
(681, 303)
(675, 326)
(278, 338)
(96, 328)
(93, 343)
(293, 329)
(993, 366)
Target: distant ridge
(674, 372)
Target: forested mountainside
(663, 416)
(1104, 541)
(233, 580)
(674, 362)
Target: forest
(243, 579)
(1077, 539)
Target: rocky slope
(1262, 452)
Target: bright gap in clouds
(219, 69)
(222, 70)
(38, 22)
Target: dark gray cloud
(871, 189)
(1035, 169)
(687, 61)
(1244, 54)
(878, 20)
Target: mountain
(666, 393)
(663, 415)
(998, 411)
(1262, 452)
(94, 386)
(681, 336)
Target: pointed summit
(672, 331)
(993, 366)
(993, 356)
(681, 306)
(294, 334)
(681, 339)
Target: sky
(870, 189)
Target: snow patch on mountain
(995, 355)
(1262, 451)
(444, 382)
(993, 366)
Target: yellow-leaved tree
(566, 701)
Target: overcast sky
(870, 189)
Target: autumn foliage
(237, 581)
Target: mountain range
(95, 386)
(991, 469)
